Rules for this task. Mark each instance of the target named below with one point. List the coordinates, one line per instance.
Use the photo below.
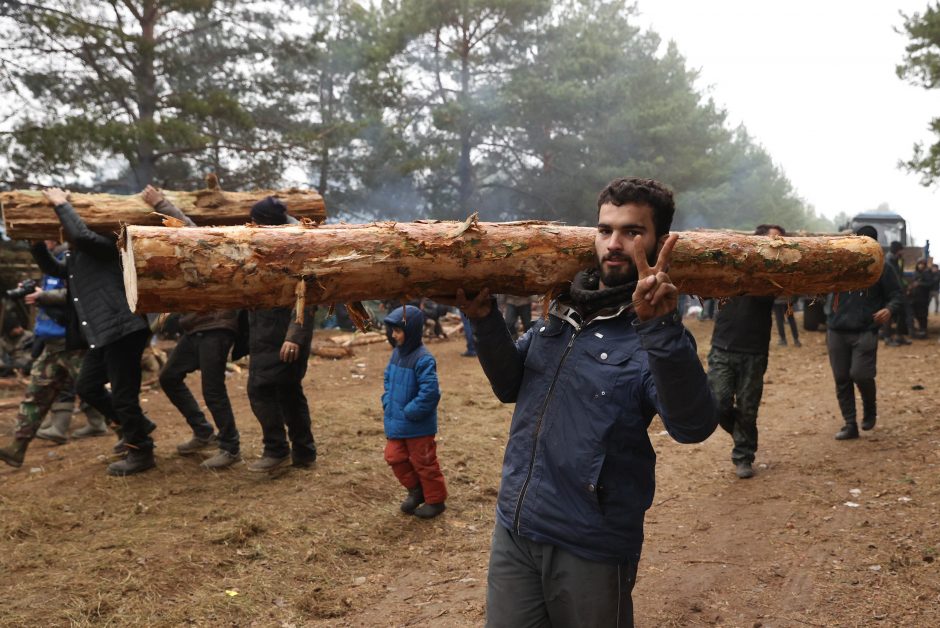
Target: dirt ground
(828, 534)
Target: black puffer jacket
(98, 312)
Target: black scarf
(589, 298)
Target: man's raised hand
(55, 196)
(655, 294)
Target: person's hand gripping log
(655, 294)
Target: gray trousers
(536, 585)
(853, 357)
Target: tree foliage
(393, 109)
(921, 66)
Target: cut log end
(130, 272)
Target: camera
(28, 286)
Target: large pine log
(200, 269)
(28, 216)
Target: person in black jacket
(736, 366)
(204, 346)
(99, 319)
(587, 379)
(852, 340)
(279, 348)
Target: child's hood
(411, 319)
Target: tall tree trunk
(27, 215)
(464, 165)
(145, 166)
(204, 269)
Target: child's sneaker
(414, 499)
(429, 511)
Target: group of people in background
(92, 346)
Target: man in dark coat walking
(99, 319)
(279, 348)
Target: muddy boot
(58, 430)
(429, 511)
(415, 498)
(869, 423)
(848, 431)
(95, 425)
(268, 464)
(137, 461)
(14, 453)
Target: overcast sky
(814, 82)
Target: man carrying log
(736, 366)
(99, 319)
(852, 340)
(204, 346)
(279, 347)
(578, 473)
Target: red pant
(414, 462)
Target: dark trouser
(853, 358)
(737, 381)
(279, 405)
(468, 333)
(521, 312)
(921, 312)
(119, 364)
(206, 351)
(780, 311)
(536, 585)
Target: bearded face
(618, 269)
(621, 228)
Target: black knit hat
(269, 211)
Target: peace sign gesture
(655, 294)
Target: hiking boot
(14, 453)
(868, 424)
(429, 511)
(415, 498)
(195, 444)
(797, 343)
(95, 425)
(267, 464)
(303, 463)
(892, 342)
(848, 431)
(120, 448)
(904, 341)
(58, 430)
(743, 470)
(221, 460)
(137, 461)
(782, 342)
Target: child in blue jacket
(410, 406)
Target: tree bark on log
(203, 269)
(28, 216)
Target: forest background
(393, 109)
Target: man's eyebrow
(634, 226)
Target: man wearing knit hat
(279, 348)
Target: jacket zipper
(538, 429)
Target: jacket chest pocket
(546, 346)
(604, 371)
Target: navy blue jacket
(579, 468)
(411, 387)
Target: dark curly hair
(642, 192)
(765, 229)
